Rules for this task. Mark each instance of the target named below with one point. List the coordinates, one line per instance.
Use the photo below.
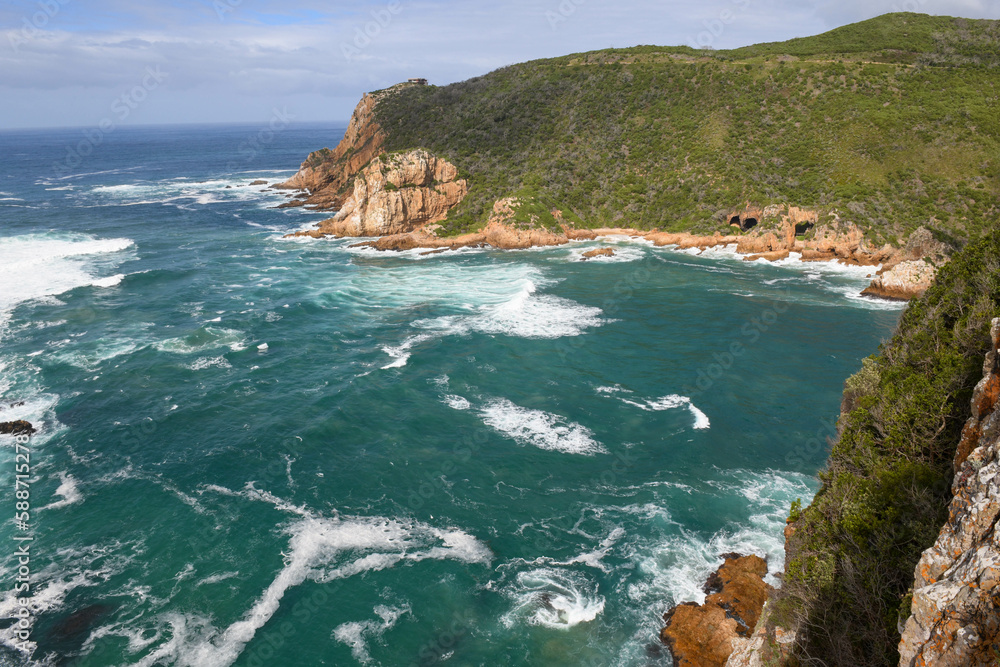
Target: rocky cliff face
(325, 174)
(955, 619)
(397, 194)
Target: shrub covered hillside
(886, 491)
(893, 122)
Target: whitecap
(671, 402)
(540, 429)
(456, 402)
(67, 490)
(44, 265)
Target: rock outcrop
(19, 427)
(396, 194)
(599, 252)
(903, 281)
(325, 174)
(701, 635)
(955, 613)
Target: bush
(887, 486)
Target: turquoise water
(260, 451)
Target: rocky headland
(401, 199)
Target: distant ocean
(260, 451)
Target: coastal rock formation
(903, 281)
(396, 194)
(701, 635)
(19, 427)
(955, 613)
(683, 240)
(599, 252)
(766, 647)
(325, 174)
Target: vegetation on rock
(893, 123)
(886, 490)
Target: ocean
(254, 450)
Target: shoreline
(501, 237)
(684, 242)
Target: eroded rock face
(325, 174)
(702, 635)
(903, 281)
(955, 614)
(397, 194)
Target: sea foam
(551, 597)
(321, 549)
(540, 429)
(41, 265)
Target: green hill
(893, 123)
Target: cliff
(396, 194)
(860, 123)
(325, 175)
(955, 612)
(844, 146)
(901, 536)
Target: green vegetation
(894, 123)
(886, 490)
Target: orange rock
(702, 635)
(599, 252)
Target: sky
(91, 63)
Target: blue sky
(81, 62)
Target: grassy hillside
(893, 122)
(886, 491)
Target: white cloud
(92, 52)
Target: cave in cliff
(803, 227)
(748, 224)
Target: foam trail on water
(357, 634)
(320, 549)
